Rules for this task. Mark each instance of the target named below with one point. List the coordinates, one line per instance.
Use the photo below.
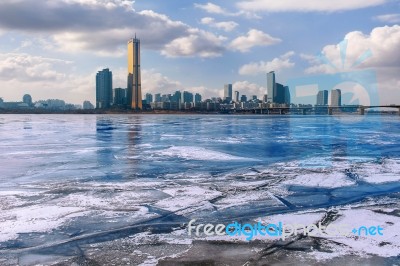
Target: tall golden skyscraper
(134, 88)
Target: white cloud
(253, 38)
(307, 6)
(154, 82)
(218, 10)
(211, 8)
(207, 21)
(199, 42)
(25, 67)
(277, 64)
(223, 25)
(389, 18)
(249, 89)
(43, 78)
(383, 44)
(75, 26)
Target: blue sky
(53, 48)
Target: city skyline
(198, 49)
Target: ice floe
(199, 153)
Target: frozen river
(76, 187)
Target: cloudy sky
(53, 48)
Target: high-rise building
(279, 94)
(282, 94)
(157, 97)
(197, 98)
(134, 89)
(243, 99)
(187, 97)
(322, 97)
(336, 97)
(119, 96)
(236, 97)
(254, 98)
(271, 86)
(287, 95)
(228, 92)
(104, 91)
(149, 98)
(27, 99)
(176, 97)
(165, 98)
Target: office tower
(255, 98)
(322, 97)
(271, 86)
(27, 99)
(134, 78)
(336, 97)
(187, 97)
(228, 92)
(149, 98)
(197, 98)
(104, 91)
(165, 98)
(119, 96)
(243, 99)
(176, 97)
(287, 95)
(279, 94)
(236, 97)
(157, 97)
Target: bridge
(319, 109)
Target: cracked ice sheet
(386, 171)
(299, 219)
(127, 200)
(35, 219)
(185, 197)
(326, 180)
(246, 197)
(386, 245)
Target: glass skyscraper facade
(104, 93)
(228, 92)
(134, 88)
(322, 97)
(271, 86)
